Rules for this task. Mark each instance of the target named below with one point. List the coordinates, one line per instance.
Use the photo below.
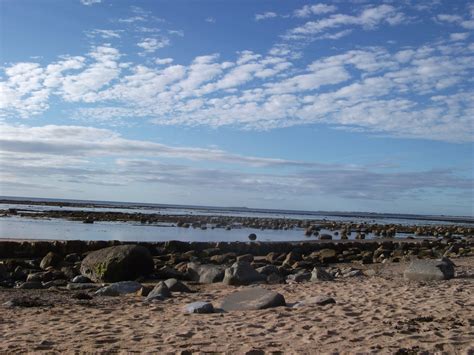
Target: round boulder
(118, 263)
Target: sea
(16, 227)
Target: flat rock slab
(252, 298)
(199, 307)
(430, 270)
(316, 300)
(119, 288)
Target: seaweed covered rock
(118, 263)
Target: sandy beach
(381, 313)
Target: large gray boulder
(118, 263)
(252, 298)
(430, 270)
(242, 273)
(205, 273)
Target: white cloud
(369, 18)
(316, 9)
(210, 20)
(90, 2)
(163, 61)
(105, 34)
(152, 44)
(265, 15)
(71, 155)
(459, 36)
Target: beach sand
(379, 314)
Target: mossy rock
(118, 263)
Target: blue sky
(342, 105)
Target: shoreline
(320, 214)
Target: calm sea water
(13, 227)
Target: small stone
(51, 259)
(242, 273)
(246, 257)
(199, 307)
(80, 279)
(31, 285)
(159, 292)
(319, 274)
(316, 300)
(177, 286)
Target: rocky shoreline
(344, 296)
(311, 228)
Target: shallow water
(60, 229)
(180, 211)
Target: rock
(159, 292)
(291, 258)
(353, 273)
(72, 258)
(252, 298)
(327, 256)
(223, 258)
(118, 263)
(177, 286)
(252, 236)
(430, 270)
(205, 273)
(246, 257)
(43, 276)
(119, 288)
(316, 300)
(51, 259)
(300, 276)
(54, 283)
(242, 273)
(3, 272)
(167, 272)
(268, 270)
(80, 287)
(144, 291)
(81, 296)
(325, 237)
(319, 274)
(199, 307)
(274, 279)
(81, 279)
(31, 285)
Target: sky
(334, 106)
